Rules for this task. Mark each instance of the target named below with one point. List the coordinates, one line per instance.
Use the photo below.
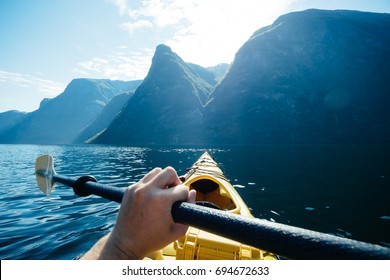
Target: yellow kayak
(213, 190)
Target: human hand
(144, 222)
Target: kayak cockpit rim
(208, 188)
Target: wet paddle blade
(44, 171)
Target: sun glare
(217, 29)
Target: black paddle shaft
(283, 240)
(287, 241)
(87, 185)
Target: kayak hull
(213, 190)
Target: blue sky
(44, 44)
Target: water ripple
(64, 226)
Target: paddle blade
(44, 171)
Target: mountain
(311, 77)
(105, 118)
(9, 119)
(219, 71)
(60, 120)
(212, 75)
(167, 107)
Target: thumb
(191, 196)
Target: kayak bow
(213, 190)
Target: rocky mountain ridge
(61, 119)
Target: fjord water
(342, 190)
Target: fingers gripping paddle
(283, 240)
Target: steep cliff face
(60, 120)
(105, 118)
(166, 108)
(311, 77)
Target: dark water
(341, 190)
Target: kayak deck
(213, 190)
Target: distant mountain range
(312, 77)
(62, 119)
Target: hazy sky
(44, 44)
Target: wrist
(113, 250)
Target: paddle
(283, 240)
